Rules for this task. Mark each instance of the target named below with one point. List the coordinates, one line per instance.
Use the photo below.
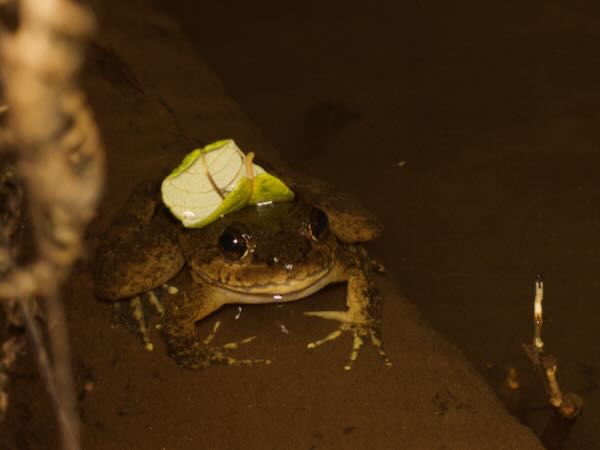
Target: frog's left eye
(233, 243)
(318, 223)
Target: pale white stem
(538, 319)
(249, 167)
(568, 404)
(556, 397)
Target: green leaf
(212, 181)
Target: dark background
(474, 131)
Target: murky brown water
(477, 131)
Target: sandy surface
(155, 99)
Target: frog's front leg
(137, 313)
(184, 342)
(362, 318)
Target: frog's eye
(233, 243)
(318, 223)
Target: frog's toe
(214, 356)
(201, 354)
(233, 345)
(359, 329)
(136, 315)
(220, 358)
(340, 316)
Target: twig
(538, 319)
(567, 405)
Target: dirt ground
(416, 165)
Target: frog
(260, 254)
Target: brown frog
(272, 253)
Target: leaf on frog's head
(268, 188)
(213, 181)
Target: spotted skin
(281, 252)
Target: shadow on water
(472, 131)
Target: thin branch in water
(538, 319)
(567, 406)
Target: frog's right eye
(233, 243)
(318, 223)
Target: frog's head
(276, 250)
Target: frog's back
(139, 250)
(349, 219)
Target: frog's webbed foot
(138, 313)
(202, 354)
(185, 343)
(360, 330)
(362, 318)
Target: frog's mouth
(287, 291)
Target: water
(472, 131)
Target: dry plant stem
(61, 162)
(568, 405)
(50, 374)
(538, 319)
(249, 167)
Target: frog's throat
(277, 293)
